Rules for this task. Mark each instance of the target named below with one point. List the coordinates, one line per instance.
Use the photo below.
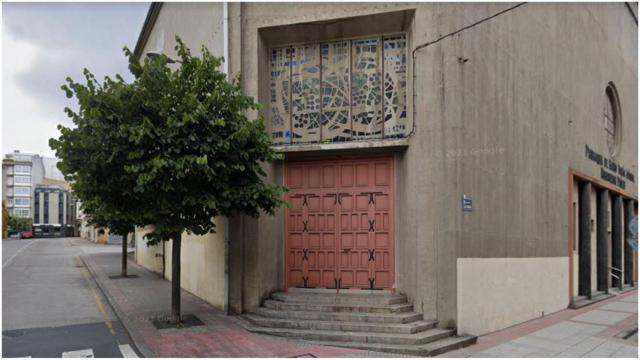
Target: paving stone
(633, 299)
(626, 352)
(510, 350)
(540, 344)
(567, 330)
(542, 354)
(622, 306)
(586, 346)
(606, 349)
(601, 317)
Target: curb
(138, 342)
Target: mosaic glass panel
(305, 93)
(279, 95)
(339, 91)
(336, 123)
(366, 89)
(395, 85)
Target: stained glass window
(305, 93)
(395, 86)
(366, 90)
(339, 91)
(279, 95)
(336, 123)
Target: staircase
(376, 322)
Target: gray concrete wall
(502, 113)
(197, 24)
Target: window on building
(20, 212)
(23, 179)
(339, 91)
(22, 201)
(23, 169)
(612, 119)
(22, 190)
(10, 201)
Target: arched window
(612, 123)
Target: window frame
(612, 118)
(284, 141)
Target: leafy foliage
(19, 223)
(174, 148)
(95, 152)
(196, 154)
(5, 220)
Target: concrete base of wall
(494, 293)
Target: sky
(42, 44)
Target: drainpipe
(225, 68)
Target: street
(52, 306)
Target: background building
(453, 153)
(54, 212)
(21, 172)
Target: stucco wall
(202, 257)
(494, 293)
(197, 24)
(202, 271)
(503, 112)
(149, 257)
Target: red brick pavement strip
(229, 340)
(234, 343)
(511, 333)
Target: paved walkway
(593, 331)
(137, 300)
(587, 332)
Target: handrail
(616, 276)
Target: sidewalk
(592, 331)
(587, 332)
(137, 300)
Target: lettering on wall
(610, 171)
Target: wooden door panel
(340, 226)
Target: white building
(21, 172)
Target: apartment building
(54, 212)
(21, 172)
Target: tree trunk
(175, 279)
(124, 255)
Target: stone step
(401, 318)
(400, 328)
(582, 301)
(420, 338)
(360, 308)
(323, 298)
(431, 349)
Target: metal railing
(619, 277)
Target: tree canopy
(195, 153)
(173, 149)
(95, 152)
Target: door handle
(346, 250)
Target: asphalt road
(51, 307)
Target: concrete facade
(202, 258)
(501, 112)
(54, 213)
(20, 165)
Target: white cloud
(43, 43)
(24, 126)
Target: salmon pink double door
(339, 230)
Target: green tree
(5, 220)
(197, 156)
(191, 152)
(19, 223)
(94, 153)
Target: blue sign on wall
(467, 203)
